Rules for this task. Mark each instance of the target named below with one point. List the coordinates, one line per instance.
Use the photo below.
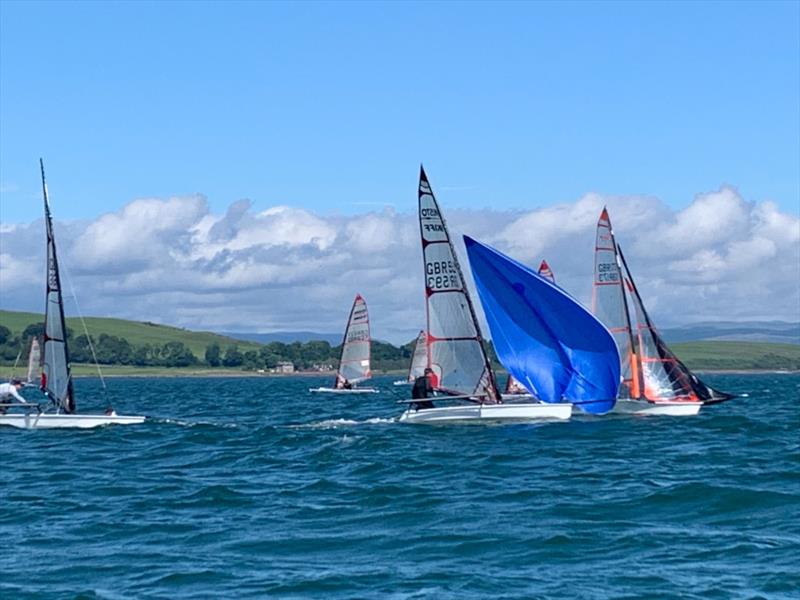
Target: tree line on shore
(114, 350)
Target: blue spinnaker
(545, 338)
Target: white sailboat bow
(354, 363)
(56, 376)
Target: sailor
(422, 387)
(347, 385)
(8, 392)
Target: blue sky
(332, 106)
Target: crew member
(422, 387)
(8, 392)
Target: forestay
(354, 363)
(56, 377)
(455, 345)
(664, 376)
(610, 306)
(545, 338)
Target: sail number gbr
(607, 273)
(441, 275)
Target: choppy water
(254, 487)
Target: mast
(455, 343)
(56, 372)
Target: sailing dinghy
(419, 360)
(56, 376)
(455, 352)
(654, 381)
(514, 389)
(544, 337)
(354, 364)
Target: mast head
(422, 175)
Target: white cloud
(173, 261)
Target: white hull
(670, 409)
(52, 421)
(488, 413)
(328, 390)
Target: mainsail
(419, 359)
(354, 362)
(545, 338)
(610, 305)
(56, 377)
(455, 345)
(34, 360)
(512, 385)
(664, 376)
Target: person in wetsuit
(422, 387)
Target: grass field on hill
(136, 332)
(738, 355)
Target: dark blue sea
(252, 488)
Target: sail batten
(56, 380)
(354, 362)
(454, 342)
(545, 338)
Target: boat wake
(336, 423)
(182, 423)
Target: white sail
(610, 306)
(455, 344)
(34, 361)
(56, 376)
(419, 359)
(354, 364)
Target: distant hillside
(136, 332)
(286, 337)
(738, 355)
(780, 332)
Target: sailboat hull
(669, 409)
(51, 421)
(488, 413)
(329, 390)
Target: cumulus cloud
(173, 261)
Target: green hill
(136, 332)
(738, 355)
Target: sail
(455, 345)
(512, 385)
(544, 271)
(664, 376)
(546, 339)
(34, 361)
(419, 360)
(56, 377)
(354, 362)
(610, 306)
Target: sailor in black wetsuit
(422, 387)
